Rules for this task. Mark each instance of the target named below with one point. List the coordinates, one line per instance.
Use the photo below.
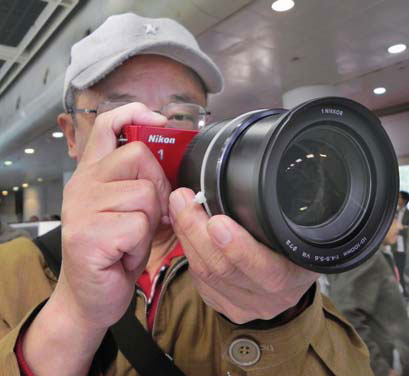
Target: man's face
(150, 79)
(401, 202)
(391, 236)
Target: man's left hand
(234, 273)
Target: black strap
(131, 337)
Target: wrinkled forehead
(151, 76)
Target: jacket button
(244, 352)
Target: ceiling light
(397, 48)
(5, 193)
(24, 185)
(29, 151)
(58, 134)
(39, 180)
(282, 5)
(15, 189)
(8, 163)
(379, 90)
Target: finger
(134, 161)
(107, 127)
(232, 252)
(203, 244)
(112, 236)
(255, 259)
(189, 222)
(128, 196)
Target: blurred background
(269, 57)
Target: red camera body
(168, 145)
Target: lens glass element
(313, 182)
(323, 183)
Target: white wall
(8, 208)
(53, 197)
(33, 198)
(42, 199)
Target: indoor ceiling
(263, 54)
(25, 26)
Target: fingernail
(176, 203)
(220, 232)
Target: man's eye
(181, 117)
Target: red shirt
(152, 288)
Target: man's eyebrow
(185, 98)
(120, 97)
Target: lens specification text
(291, 245)
(332, 111)
(354, 248)
(328, 258)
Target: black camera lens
(319, 169)
(318, 183)
(323, 179)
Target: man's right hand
(111, 208)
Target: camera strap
(130, 336)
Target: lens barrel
(318, 183)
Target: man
(399, 249)
(235, 308)
(370, 299)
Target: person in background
(370, 299)
(400, 248)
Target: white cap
(125, 35)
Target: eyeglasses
(179, 115)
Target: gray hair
(71, 97)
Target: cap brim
(194, 59)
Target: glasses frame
(72, 110)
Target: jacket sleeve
(25, 281)
(22, 295)
(8, 339)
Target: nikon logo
(158, 139)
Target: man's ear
(66, 124)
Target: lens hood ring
(206, 158)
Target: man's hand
(111, 208)
(392, 372)
(234, 273)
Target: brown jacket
(318, 342)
